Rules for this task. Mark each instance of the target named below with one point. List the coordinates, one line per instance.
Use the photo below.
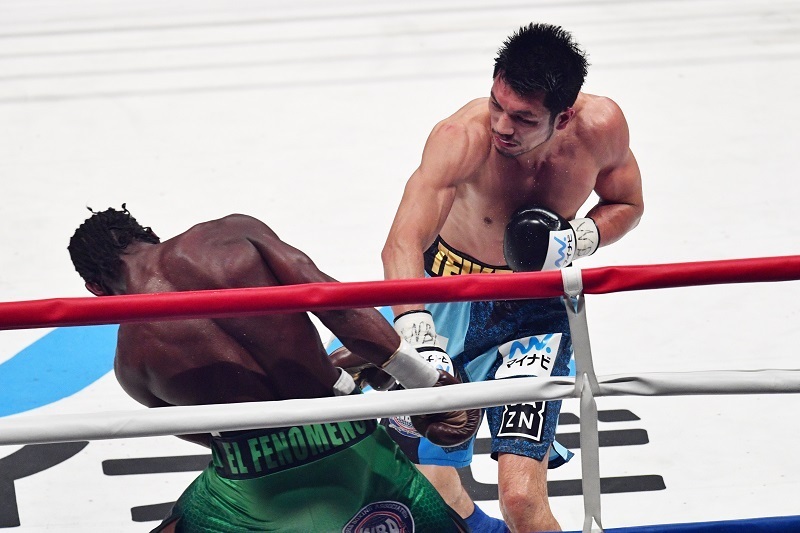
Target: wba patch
(381, 517)
(403, 425)
(524, 420)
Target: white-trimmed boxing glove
(409, 369)
(539, 239)
(587, 236)
(417, 328)
(451, 428)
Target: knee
(526, 511)
(516, 504)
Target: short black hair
(543, 59)
(98, 243)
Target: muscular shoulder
(469, 124)
(219, 232)
(602, 127)
(460, 143)
(225, 225)
(214, 254)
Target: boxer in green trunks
(365, 482)
(345, 476)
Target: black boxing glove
(362, 371)
(539, 239)
(451, 428)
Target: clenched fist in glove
(537, 238)
(412, 371)
(451, 428)
(444, 429)
(363, 372)
(417, 328)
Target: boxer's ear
(563, 118)
(95, 288)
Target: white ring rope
(29, 429)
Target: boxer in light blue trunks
(495, 340)
(537, 140)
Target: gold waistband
(441, 259)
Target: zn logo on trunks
(524, 420)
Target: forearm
(621, 199)
(371, 338)
(403, 262)
(364, 332)
(615, 220)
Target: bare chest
(482, 207)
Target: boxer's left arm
(363, 372)
(367, 333)
(363, 331)
(619, 182)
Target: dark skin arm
(243, 359)
(363, 331)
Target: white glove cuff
(344, 385)
(409, 369)
(587, 236)
(416, 327)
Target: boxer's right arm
(449, 157)
(363, 331)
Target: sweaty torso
(205, 361)
(561, 181)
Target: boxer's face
(519, 123)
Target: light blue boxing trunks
(496, 340)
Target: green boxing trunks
(347, 477)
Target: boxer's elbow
(401, 259)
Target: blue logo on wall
(58, 365)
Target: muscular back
(203, 361)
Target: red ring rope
(328, 296)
